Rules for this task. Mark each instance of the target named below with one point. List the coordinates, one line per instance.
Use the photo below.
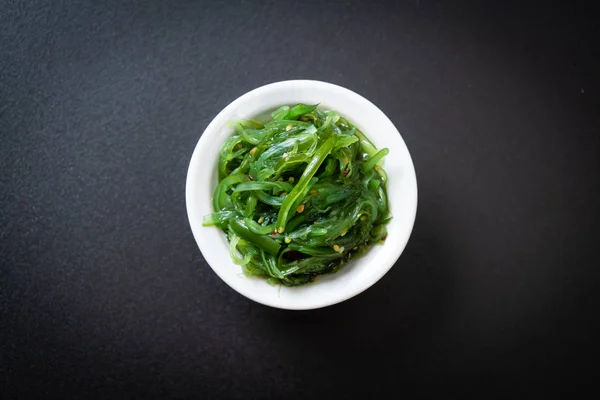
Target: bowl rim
(204, 144)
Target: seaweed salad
(299, 194)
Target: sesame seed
(253, 151)
(280, 230)
(261, 220)
(288, 240)
(336, 248)
(300, 208)
(289, 127)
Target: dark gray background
(104, 293)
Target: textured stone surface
(103, 291)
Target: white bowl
(357, 275)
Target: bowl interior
(357, 275)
